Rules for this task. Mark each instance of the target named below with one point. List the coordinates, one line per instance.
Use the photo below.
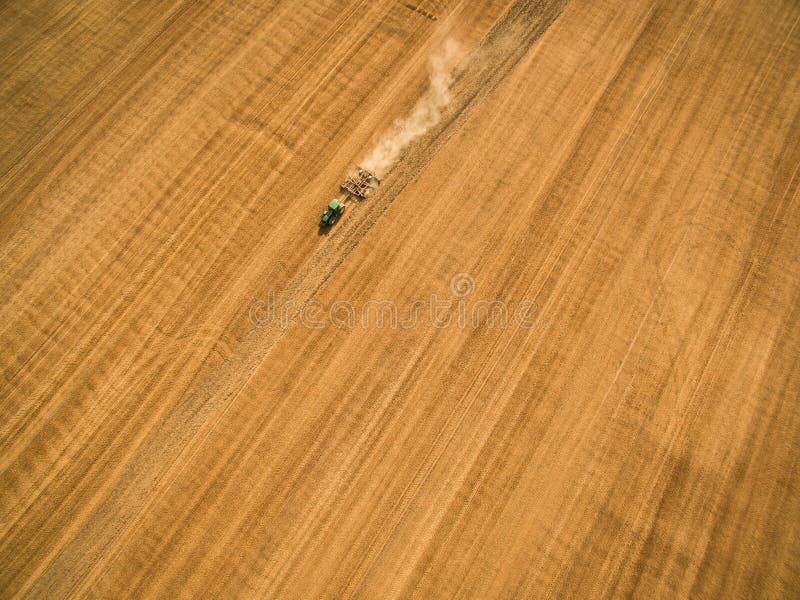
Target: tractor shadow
(327, 230)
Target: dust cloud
(426, 112)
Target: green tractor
(332, 213)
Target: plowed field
(555, 353)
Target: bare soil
(628, 171)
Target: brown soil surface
(629, 169)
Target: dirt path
(626, 173)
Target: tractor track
(488, 67)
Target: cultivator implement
(361, 183)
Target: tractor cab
(332, 213)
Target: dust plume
(426, 112)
